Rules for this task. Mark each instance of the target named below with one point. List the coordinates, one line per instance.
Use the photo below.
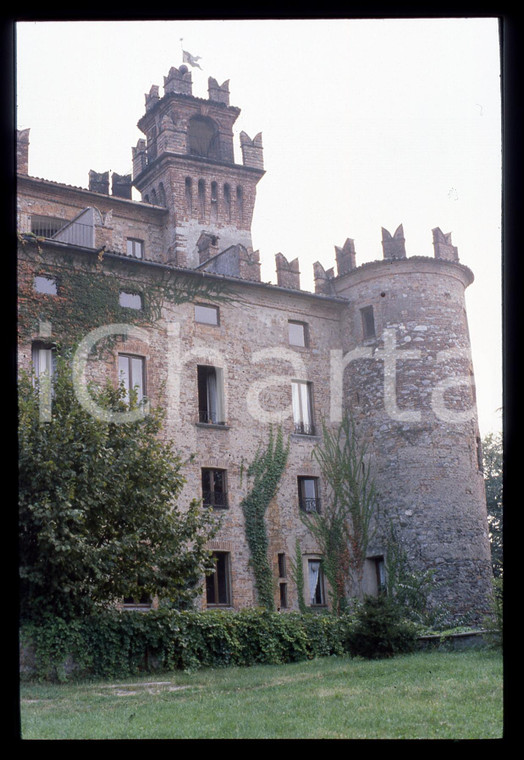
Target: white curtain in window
(314, 578)
(301, 402)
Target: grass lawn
(435, 695)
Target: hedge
(121, 643)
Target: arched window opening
(189, 195)
(227, 202)
(214, 201)
(203, 138)
(240, 203)
(202, 198)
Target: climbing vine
(266, 470)
(297, 572)
(88, 291)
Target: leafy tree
(492, 454)
(343, 525)
(98, 514)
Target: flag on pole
(191, 59)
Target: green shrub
(379, 630)
(116, 644)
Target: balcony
(303, 428)
(79, 231)
(310, 505)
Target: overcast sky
(365, 124)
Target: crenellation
(394, 245)
(218, 92)
(444, 249)
(178, 81)
(288, 272)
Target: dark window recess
(308, 494)
(283, 595)
(218, 587)
(203, 138)
(368, 322)
(214, 488)
(282, 565)
(210, 396)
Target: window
(45, 285)
(135, 248)
(283, 595)
(131, 373)
(302, 407)
(44, 360)
(201, 198)
(214, 201)
(368, 322)
(297, 333)
(46, 226)
(316, 582)
(203, 138)
(282, 570)
(210, 395)
(206, 315)
(130, 300)
(214, 488)
(227, 201)
(308, 494)
(380, 573)
(218, 585)
(189, 195)
(144, 600)
(240, 203)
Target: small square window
(368, 322)
(45, 285)
(298, 335)
(130, 300)
(135, 248)
(206, 315)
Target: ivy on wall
(88, 290)
(266, 470)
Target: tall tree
(99, 518)
(492, 455)
(343, 525)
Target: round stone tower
(407, 378)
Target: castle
(386, 341)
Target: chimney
(121, 185)
(99, 183)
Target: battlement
(394, 248)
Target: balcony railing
(303, 428)
(209, 418)
(74, 233)
(310, 505)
